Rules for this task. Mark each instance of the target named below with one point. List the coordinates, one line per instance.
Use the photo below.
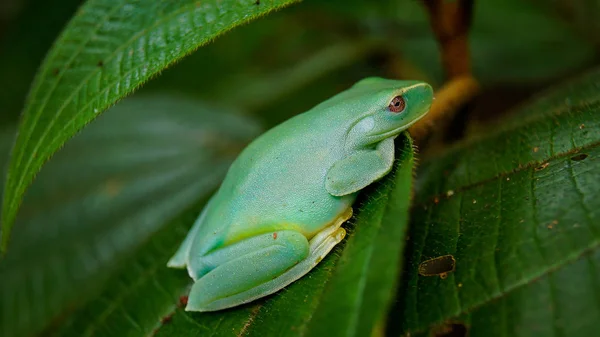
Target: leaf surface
(107, 50)
(518, 210)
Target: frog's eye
(397, 104)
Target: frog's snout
(425, 93)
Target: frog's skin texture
(280, 208)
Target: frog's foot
(261, 265)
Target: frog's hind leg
(261, 265)
(247, 264)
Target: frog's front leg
(260, 265)
(360, 169)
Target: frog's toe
(177, 261)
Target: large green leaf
(108, 49)
(110, 189)
(346, 295)
(518, 211)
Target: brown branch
(450, 22)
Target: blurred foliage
(105, 193)
(23, 45)
(515, 201)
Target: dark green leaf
(511, 41)
(110, 189)
(518, 210)
(23, 45)
(107, 50)
(351, 287)
(581, 14)
(581, 91)
(520, 40)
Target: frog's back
(278, 182)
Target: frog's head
(388, 108)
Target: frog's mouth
(421, 115)
(394, 132)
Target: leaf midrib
(352, 328)
(529, 165)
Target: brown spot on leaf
(579, 157)
(183, 301)
(112, 187)
(275, 236)
(166, 319)
(450, 329)
(552, 224)
(100, 63)
(441, 265)
(541, 167)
